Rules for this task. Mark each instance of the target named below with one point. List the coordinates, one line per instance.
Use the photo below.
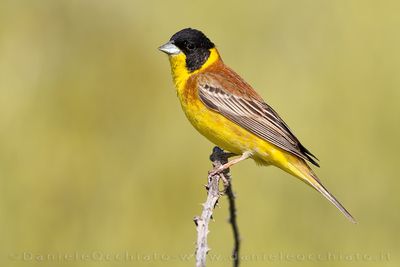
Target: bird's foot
(225, 180)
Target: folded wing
(249, 111)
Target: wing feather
(251, 113)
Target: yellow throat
(180, 74)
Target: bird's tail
(301, 170)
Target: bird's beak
(169, 48)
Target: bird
(226, 109)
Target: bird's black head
(193, 43)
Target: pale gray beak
(170, 49)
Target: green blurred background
(99, 166)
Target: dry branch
(218, 158)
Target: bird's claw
(214, 171)
(218, 171)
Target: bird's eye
(190, 46)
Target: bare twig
(218, 158)
(233, 222)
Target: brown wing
(233, 98)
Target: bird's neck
(180, 73)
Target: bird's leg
(227, 165)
